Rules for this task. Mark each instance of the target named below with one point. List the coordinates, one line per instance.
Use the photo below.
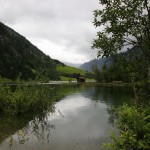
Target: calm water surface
(81, 121)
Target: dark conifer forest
(19, 57)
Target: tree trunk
(148, 42)
(148, 78)
(148, 61)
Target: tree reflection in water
(20, 129)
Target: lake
(81, 120)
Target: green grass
(69, 70)
(2, 80)
(62, 78)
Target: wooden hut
(81, 79)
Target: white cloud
(60, 28)
(53, 50)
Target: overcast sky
(62, 29)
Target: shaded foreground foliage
(25, 98)
(134, 129)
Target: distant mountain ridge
(18, 56)
(88, 66)
(130, 54)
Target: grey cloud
(63, 22)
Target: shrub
(134, 129)
(23, 98)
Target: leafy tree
(122, 24)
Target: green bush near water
(25, 98)
(134, 129)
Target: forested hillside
(19, 57)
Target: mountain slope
(19, 57)
(88, 66)
(69, 70)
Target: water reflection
(81, 120)
(19, 128)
